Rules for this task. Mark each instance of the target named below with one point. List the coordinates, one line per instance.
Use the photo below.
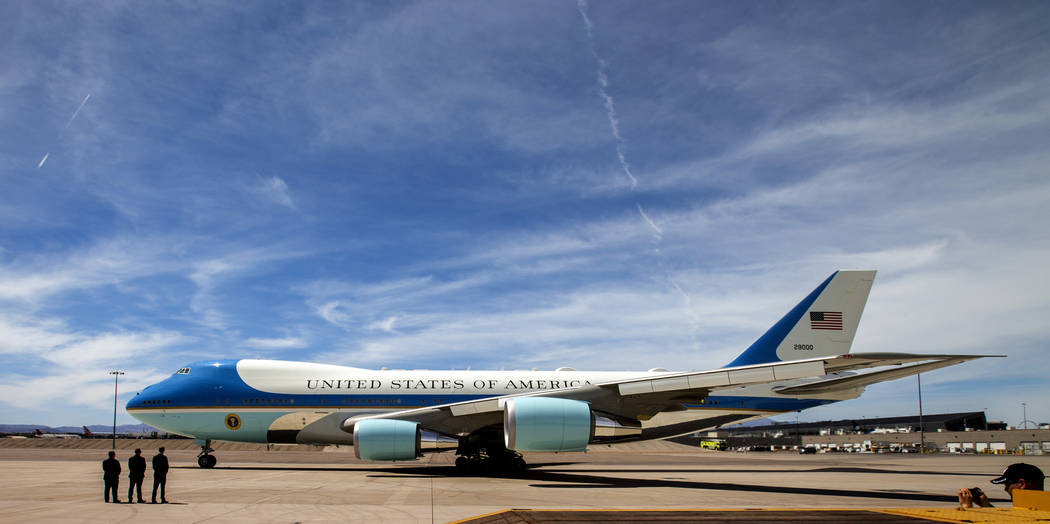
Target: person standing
(111, 476)
(160, 475)
(137, 472)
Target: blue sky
(620, 185)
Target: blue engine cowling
(383, 439)
(547, 424)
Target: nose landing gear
(205, 459)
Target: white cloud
(604, 329)
(111, 348)
(334, 312)
(73, 366)
(386, 325)
(897, 125)
(83, 389)
(37, 277)
(210, 273)
(55, 342)
(362, 90)
(32, 335)
(275, 190)
(275, 343)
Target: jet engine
(383, 439)
(547, 424)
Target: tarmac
(62, 482)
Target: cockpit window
(183, 371)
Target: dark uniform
(137, 469)
(111, 476)
(160, 475)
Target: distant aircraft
(87, 433)
(41, 434)
(490, 416)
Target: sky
(606, 185)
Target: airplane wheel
(207, 461)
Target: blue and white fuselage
(271, 401)
(802, 361)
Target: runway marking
(989, 515)
(855, 515)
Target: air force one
(489, 417)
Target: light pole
(1024, 414)
(116, 377)
(922, 428)
(798, 434)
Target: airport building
(947, 432)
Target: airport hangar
(967, 432)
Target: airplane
(87, 433)
(490, 417)
(41, 434)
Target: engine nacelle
(384, 439)
(547, 424)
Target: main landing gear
(205, 459)
(488, 458)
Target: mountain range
(131, 429)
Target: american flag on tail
(826, 320)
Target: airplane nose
(139, 400)
(158, 395)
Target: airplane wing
(866, 379)
(629, 401)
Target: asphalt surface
(62, 482)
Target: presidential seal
(233, 422)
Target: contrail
(75, 113)
(658, 233)
(603, 84)
(610, 113)
(65, 127)
(621, 154)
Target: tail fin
(822, 325)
